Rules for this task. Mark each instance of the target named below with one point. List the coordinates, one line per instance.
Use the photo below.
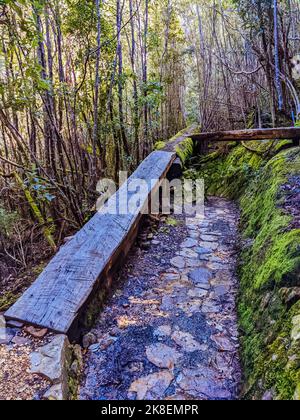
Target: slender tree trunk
(120, 80)
(145, 82)
(96, 141)
(136, 118)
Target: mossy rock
(185, 150)
(160, 145)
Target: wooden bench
(63, 291)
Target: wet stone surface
(170, 329)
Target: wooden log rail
(60, 297)
(289, 133)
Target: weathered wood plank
(289, 133)
(56, 298)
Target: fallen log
(283, 133)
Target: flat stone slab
(49, 360)
(186, 341)
(201, 275)
(188, 253)
(189, 243)
(162, 356)
(178, 262)
(152, 386)
(203, 251)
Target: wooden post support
(283, 133)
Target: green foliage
(39, 187)
(271, 263)
(7, 299)
(7, 221)
(160, 145)
(172, 222)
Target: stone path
(169, 332)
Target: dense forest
(89, 88)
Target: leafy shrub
(7, 221)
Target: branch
(9, 162)
(95, 50)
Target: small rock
(210, 308)
(94, 347)
(197, 293)
(75, 369)
(201, 275)
(194, 235)
(55, 393)
(189, 243)
(152, 387)
(204, 257)
(178, 262)
(167, 303)
(68, 239)
(88, 340)
(268, 396)
(192, 227)
(163, 331)
(2, 322)
(20, 341)
(192, 263)
(203, 383)
(15, 324)
(295, 334)
(290, 295)
(209, 245)
(188, 253)
(221, 290)
(162, 356)
(107, 342)
(170, 276)
(35, 332)
(49, 361)
(186, 341)
(145, 245)
(297, 394)
(135, 367)
(204, 286)
(203, 251)
(5, 337)
(223, 343)
(208, 238)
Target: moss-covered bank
(269, 271)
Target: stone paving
(169, 332)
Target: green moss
(160, 145)
(172, 222)
(225, 174)
(269, 260)
(185, 150)
(7, 300)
